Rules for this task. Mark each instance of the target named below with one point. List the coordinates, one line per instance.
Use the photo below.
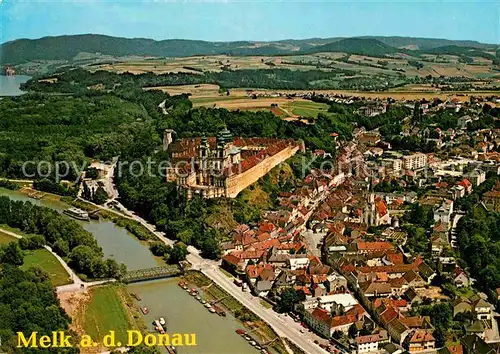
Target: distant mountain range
(68, 47)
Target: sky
(251, 19)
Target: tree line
(66, 237)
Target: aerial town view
(249, 177)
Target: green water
(164, 298)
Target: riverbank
(247, 318)
(41, 258)
(99, 310)
(132, 226)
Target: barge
(78, 214)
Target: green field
(106, 312)
(45, 260)
(6, 238)
(306, 109)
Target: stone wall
(237, 183)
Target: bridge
(135, 276)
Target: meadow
(45, 260)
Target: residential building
(367, 344)
(415, 161)
(420, 340)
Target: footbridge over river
(135, 276)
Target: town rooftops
(368, 339)
(421, 336)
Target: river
(9, 85)
(164, 298)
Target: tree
(353, 331)
(178, 253)
(287, 300)
(82, 259)
(11, 254)
(100, 196)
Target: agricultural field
(281, 106)
(307, 109)
(45, 260)
(395, 65)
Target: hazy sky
(251, 20)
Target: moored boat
(76, 213)
(158, 326)
(145, 310)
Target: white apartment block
(414, 161)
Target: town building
(222, 166)
(415, 161)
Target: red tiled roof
(421, 336)
(253, 271)
(395, 258)
(389, 315)
(368, 339)
(375, 246)
(231, 259)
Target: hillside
(361, 46)
(66, 48)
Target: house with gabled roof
(420, 340)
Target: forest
(283, 79)
(28, 303)
(479, 237)
(126, 122)
(66, 237)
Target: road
(77, 284)
(282, 325)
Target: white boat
(77, 214)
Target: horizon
(256, 21)
(248, 40)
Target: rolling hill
(361, 46)
(68, 47)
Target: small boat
(78, 214)
(145, 310)
(212, 310)
(186, 288)
(135, 296)
(163, 323)
(208, 306)
(247, 337)
(158, 326)
(258, 347)
(219, 311)
(181, 284)
(203, 302)
(198, 297)
(252, 342)
(171, 349)
(240, 332)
